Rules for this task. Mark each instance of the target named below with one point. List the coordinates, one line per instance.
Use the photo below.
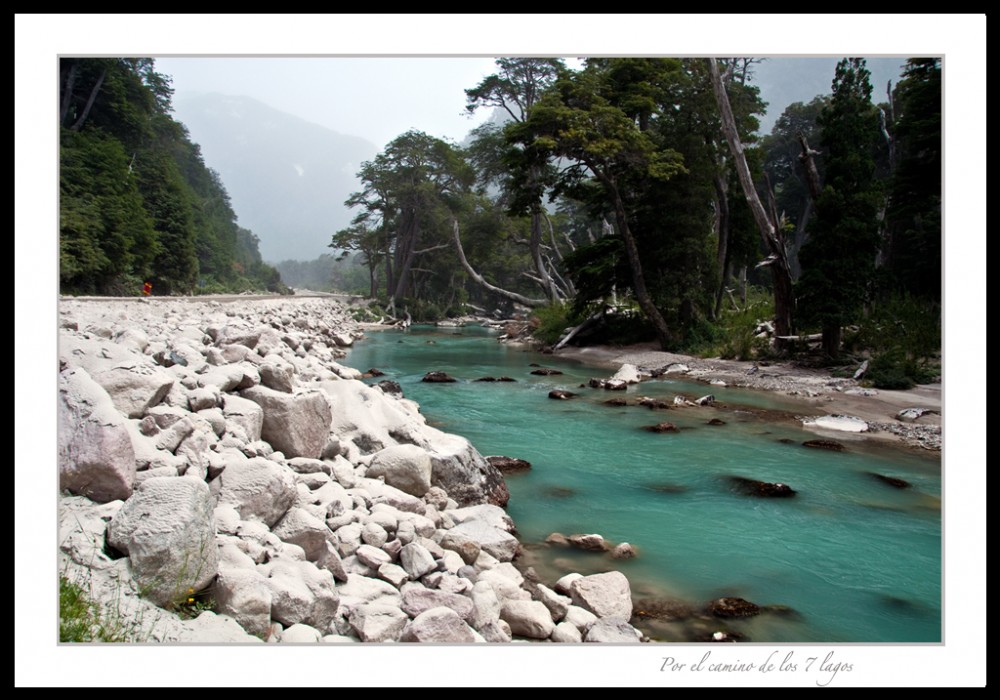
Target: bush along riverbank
(223, 478)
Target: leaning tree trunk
(481, 281)
(90, 102)
(642, 295)
(784, 299)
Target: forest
(634, 199)
(138, 209)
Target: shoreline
(817, 391)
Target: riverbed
(849, 558)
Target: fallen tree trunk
(572, 334)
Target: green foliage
(137, 203)
(838, 261)
(732, 336)
(913, 218)
(81, 619)
(550, 322)
(903, 335)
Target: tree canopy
(137, 203)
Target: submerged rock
(438, 378)
(545, 371)
(615, 402)
(662, 428)
(561, 395)
(761, 489)
(891, 480)
(653, 403)
(824, 445)
(661, 609)
(716, 421)
(733, 607)
(589, 543)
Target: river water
(847, 559)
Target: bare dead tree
(784, 300)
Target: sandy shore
(818, 391)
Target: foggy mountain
(287, 178)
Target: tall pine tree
(838, 261)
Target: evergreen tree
(913, 219)
(838, 261)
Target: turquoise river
(848, 559)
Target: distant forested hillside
(137, 204)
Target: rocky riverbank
(223, 478)
(883, 411)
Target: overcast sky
(379, 98)
(375, 98)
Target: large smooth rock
(301, 527)
(133, 381)
(605, 595)
(612, 630)
(441, 625)
(244, 413)
(420, 600)
(407, 467)
(258, 488)
(367, 420)
(494, 541)
(96, 457)
(300, 592)
(167, 528)
(245, 596)
(416, 560)
(527, 618)
(374, 622)
(627, 373)
(297, 424)
(848, 424)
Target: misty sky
(379, 98)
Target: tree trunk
(722, 198)
(513, 296)
(90, 102)
(545, 280)
(663, 334)
(68, 92)
(831, 340)
(809, 165)
(784, 300)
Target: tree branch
(513, 296)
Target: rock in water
(438, 378)
(561, 395)
(733, 607)
(662, 428)
(508, 465)
(891, 481)
(761, 489)
(824, 445)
